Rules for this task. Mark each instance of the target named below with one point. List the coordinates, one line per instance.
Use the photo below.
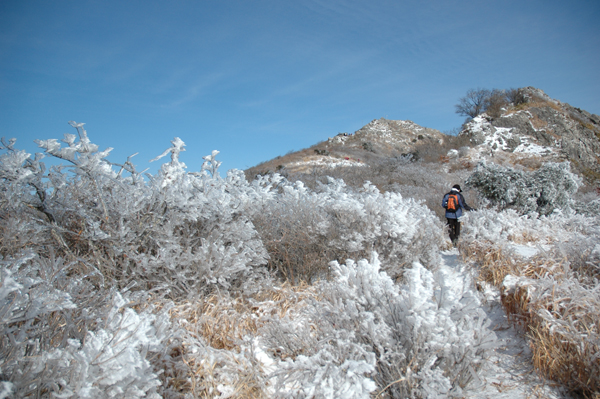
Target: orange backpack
(452, 204)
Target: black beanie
(456, 186)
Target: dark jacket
(461, 205)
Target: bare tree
(515, 96)
(473, 103)
(496, 100)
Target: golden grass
(589, 126)
(561, 350)
(495, 264)
(538, 123)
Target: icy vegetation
(548, 271)
(541, 248)
(186, 284)
(549, 188)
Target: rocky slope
(541, 126)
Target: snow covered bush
(542, 191)
(305, 229)
(179, 233)
(360, 332)
(508, 226)
(62, 337)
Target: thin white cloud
(199, 87)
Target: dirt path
(509, 373)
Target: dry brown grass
(563, 360)
(222, 323)
(563, 329)
(565, 347)
(297, 249)
(495, 263)
(225, 324)
(536, 103)
(530, 163)
(538, 123)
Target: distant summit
(390, 135)
(379, 139)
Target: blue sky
(256, 79)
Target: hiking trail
(509, 372)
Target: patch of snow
(532, 148)
(525, 251)
(340, 139)
(6, 389)
(497, 140)
(409, 125)
(326, 162)
(511, 114)
(479, 124)
(528, 251)
(392, 131)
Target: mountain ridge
(532, 130)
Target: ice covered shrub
(293, 227)
(509, 226)
(303, 227)
(361, 334)
(23, 200)
(499, 227)
(589, 208)
(542, 191)
(179, 232)
(196, 231)
(60, 336)
(581, 249)
(96, 236)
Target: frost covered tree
(542, 191)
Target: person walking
(454, 203)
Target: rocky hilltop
(541, 126)
(388, 136)
(533, 129)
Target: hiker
(454, 202)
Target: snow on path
(509, 372)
